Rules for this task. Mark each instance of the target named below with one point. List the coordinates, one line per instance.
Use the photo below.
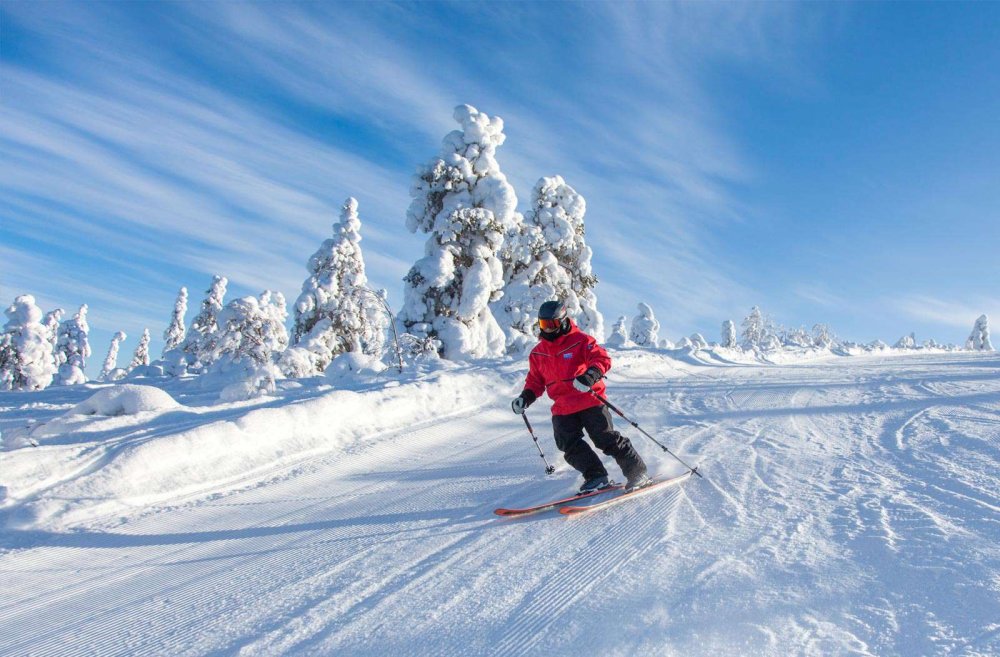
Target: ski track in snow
(850, 506)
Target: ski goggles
(549, 324)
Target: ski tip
(571, 510)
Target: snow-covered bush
(110, 370)
(251, 334)
(698, 341)
(547, 258)
(619, 334)
(906, 342)
(174, 335)
(420, 348)
(140, 358)
(797, 337)
(200, 344)
(26, 360)
(728, 334)
(125, 399)
(979, 339)
(666, 343)
(352, 365)
(336, 312)
(645, 328)
(464, 202)
(822, 336)
(73, 349)
(252, 329)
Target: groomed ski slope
(850, 506)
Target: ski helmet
(552, 316)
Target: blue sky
(834, 163)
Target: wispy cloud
(946, 312)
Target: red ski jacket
(552, 366)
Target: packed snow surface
(850, 506)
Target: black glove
(523, 401)
(586, 381)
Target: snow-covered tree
(906, 342)
(26, 360)
(979, 339)
(757, 329)
(645, 327)
(174, 335)
(336, 312)
(51, 323)
(140, 358)
(73, 349)
(200, 344)
(549, 259)
(464, 202)
(619, 334)
(110, 371)
(728, 334)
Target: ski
(551, 505)
(656, 485)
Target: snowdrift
(158, 455)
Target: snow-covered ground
(850, 506)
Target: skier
(567, 364)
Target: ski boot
(595, 484)
(637, 482)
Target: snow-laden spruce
(174, 335)
(979, 339)
(619, 334)
(548, 259)
(464, 202)
(336, 312)
(140, 357)
(26, 359)
(728, 334)
(199, 346)
(645, 329)
(110, 370)
(73, 349)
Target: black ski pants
(568, 432)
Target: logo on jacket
(567, 356)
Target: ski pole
(636, 425)
(548, 468)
